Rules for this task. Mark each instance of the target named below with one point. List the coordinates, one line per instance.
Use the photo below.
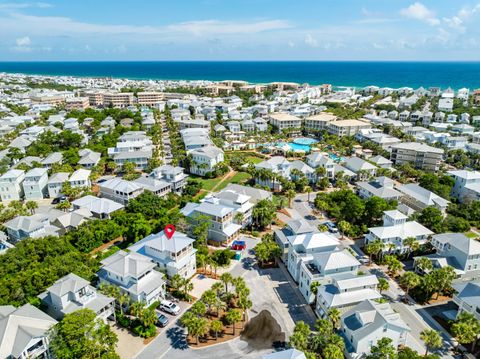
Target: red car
(239, 245)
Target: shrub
(143, 332)
(122, 320)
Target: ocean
(338, 73)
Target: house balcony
(86, 297)
(36, 350)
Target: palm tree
(383, 284)
(233, 316)
(374, 248)
(136, 309)
(226, 278)
(344, 227)
(239, 218)
(290, 194)
(432, 339)
(309, 190)
(216, 326)
(412, 244)
(187, 287)
(424, 264)
(334, 316)
(148, 317)
(123, 299)
(314, 289)
(410, 280)
(197, 327)
(209, 297)
(31, 206)
(217, 288)
(64, 206)
(220, 305)
(244, 303)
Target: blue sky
(240, 30)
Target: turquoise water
(341, 73)
(293, 146)
(336, 158)
(305, 141)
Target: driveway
(271, 289)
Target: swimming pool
(298, 144)
(293, 146)
(305, 141)
(336, 158)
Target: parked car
(364, 260)
(169, 307)
(60, 199)
(162, 320)
(332, 228)
(238, 245)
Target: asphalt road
(271, 289)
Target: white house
(35, 184)
(205, 159)
(24, 332)
(457, 251)
(345, 291)
(134, 147)
(55, 184)
(120, 190)
(467, 185)
(173, 175)
(302, 246)
(360, 167)
(135, 275)
(101, 208)
(174, 255)
(80, 178)
(419, 198)
(88, 158)
(11, 185)
(467, 297)
(395, 230)
(35, 226)
(71, 293)
(379, 187)
(368, 322)
(322, 267)
(317, 159)
(222, 228)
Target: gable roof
(369, 315)
(460, 241)
(422, 195)
(162, 243)
(69, 283)
(127, 264)
(18, 326)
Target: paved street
(271, 289)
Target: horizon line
(245, 61)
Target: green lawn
(471, 234)
(209, 184)
(254, 159)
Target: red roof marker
(169, 230)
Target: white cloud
(53, 25)
(291, 44)
(13, 6)
(311, 41)
(418, 11)
(23, 41)
(209, 27)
